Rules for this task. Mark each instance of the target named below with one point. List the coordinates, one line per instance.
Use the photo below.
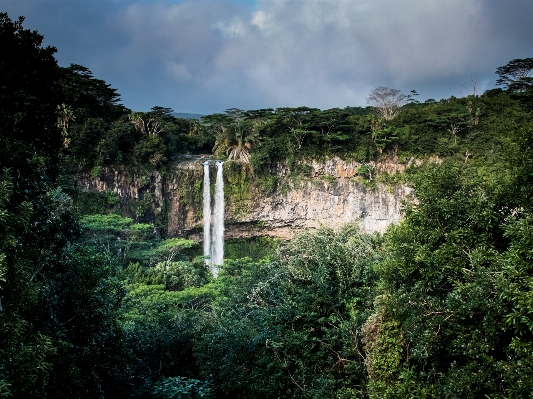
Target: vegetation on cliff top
(472, 130)
(440, 306)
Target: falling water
(207, 213)
(214, 232)
(218, 222)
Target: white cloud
(261, 20)
(180, 71)
(234, 28)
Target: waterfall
(207, 212)
(214, 239)
(218, 222)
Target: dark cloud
(510, 22)
(206, 56)
(81, 30)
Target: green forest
(94, 304)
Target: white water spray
(207, 213)
(214, 232)
(218, 222)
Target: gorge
(330, 194)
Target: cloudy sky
(204, 56)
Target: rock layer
(331, 196)
(319, 203)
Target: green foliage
(236, 133)
(142, 207)
(83, 300)
(181, 388)
(172, 244)
(133, 242)
(104, 133)
(105, 223)
(189, 187)
(282, 328)
(175, 276)
(384, 347)
(446, 323)
(465, 129)
(255, 248)
(237, 185)
(267, 184)
(366, 171)
(35, 218)
(520, 186)
(4, 389)
(329, 179)
(394, 179)
(92, 202)
(159, 328)
(516, 75)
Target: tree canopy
(515, 76)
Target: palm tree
(64, 114)
(236, 135)
(243, 141)
(145, 123)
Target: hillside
(99, 297)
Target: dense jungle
(97, 302)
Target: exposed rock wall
(330, 196)
(129, 188)
(315, 201)
(320, 203)
(338, 168)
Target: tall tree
(451, 116)
(298, 121)
(387, 102)
(29, 146)
(89, 96)
(57, 305)
(515, 76)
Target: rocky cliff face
(132, 190)
(314, 204)
(331, 195)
